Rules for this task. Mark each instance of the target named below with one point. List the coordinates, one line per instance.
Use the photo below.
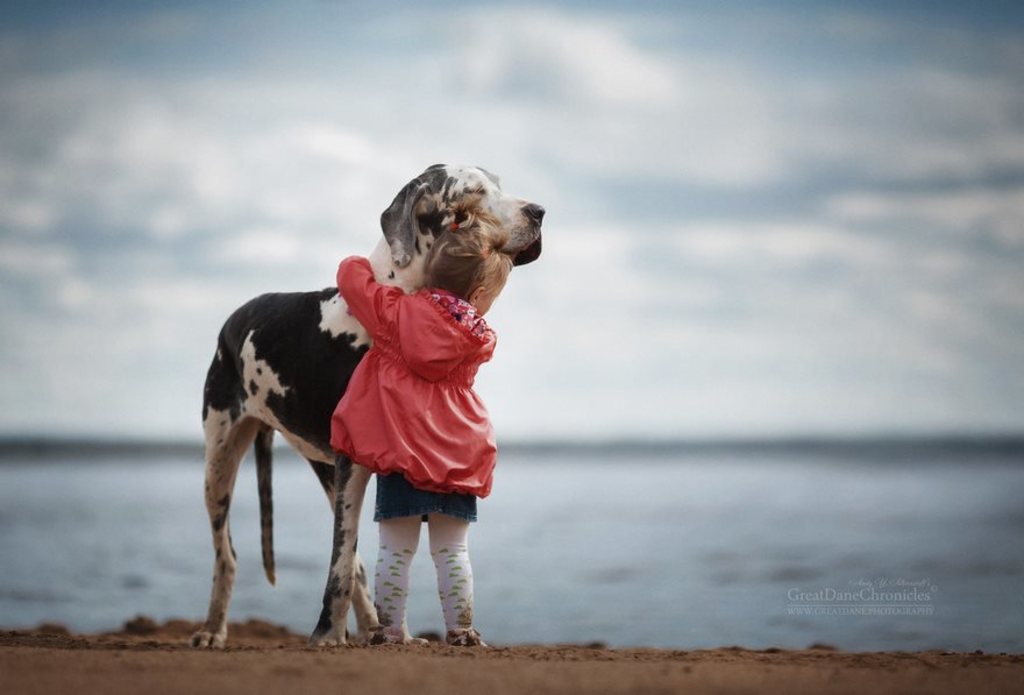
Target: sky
(764, 219)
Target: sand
(262, 658)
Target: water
(679, 550)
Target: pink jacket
(410, 407)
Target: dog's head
(442, 197)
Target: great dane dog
(283, 362)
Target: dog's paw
(205, 639)
(331, 638)
(373, 635)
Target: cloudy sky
(764, 218)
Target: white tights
(399, 538)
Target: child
(410, 414)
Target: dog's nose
(534, 212)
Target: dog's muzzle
(534, 213)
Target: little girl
(410, 414)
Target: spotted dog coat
(283, 362)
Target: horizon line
(1010, 442)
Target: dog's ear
(399, 222)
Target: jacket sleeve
(431, 348)
(369, 301)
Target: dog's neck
(410, 278)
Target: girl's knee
(447, 533)
(400, 532)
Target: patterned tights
(399, 538)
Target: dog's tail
(264, 457)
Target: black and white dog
(283, 362)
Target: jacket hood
(439, 331)
(462, 312)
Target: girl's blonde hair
(470, 256)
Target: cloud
(998, 213)
(550, 55)
(858, 266)
(27, 258)
(795, 243)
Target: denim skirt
(397, 497)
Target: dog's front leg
(349, 488)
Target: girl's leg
(450, 551)
(398, 540)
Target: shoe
(464, 637)
(382, 636)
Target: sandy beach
(265, 658)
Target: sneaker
(384, 636)
(465, 637)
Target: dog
(282, 363)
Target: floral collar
(461, 311)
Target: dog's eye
(460, 217)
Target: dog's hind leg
(227, 439)
(367, 623)
(350, 487)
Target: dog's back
(277, 362)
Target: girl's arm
(369, 301)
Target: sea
(890, 545)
